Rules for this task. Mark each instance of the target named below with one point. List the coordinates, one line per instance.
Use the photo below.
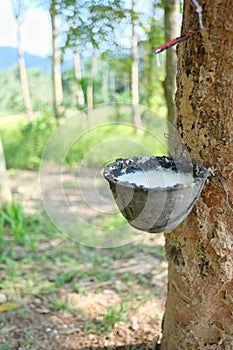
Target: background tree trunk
(18, 9)
(90, 82)
(134, 71)
(56, 64)
(78, 77)
(112, 86)
(172, 30)
(5, 192)
(200, 251)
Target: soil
(37, 325)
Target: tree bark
(56, 64)
(172, 30)
(78, 77)
(5, 192)
(200, 251)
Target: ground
(64, 296)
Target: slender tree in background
(19, 8)
(94, 25)
(200, 251)
(78, 77)
(172, 30)
(134, 69)
(152, 71)
(56, 61)
(77, 68)
(90, 77)
(5, 192)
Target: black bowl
(156, 209)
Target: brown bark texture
(199, 308)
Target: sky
(36, 30)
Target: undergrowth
(19, 229)
(24, 145)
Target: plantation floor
(65, 296)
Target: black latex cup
(155, 209)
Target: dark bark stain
(188, 72)
(176, 255)
(201, 49)
(188, 66)
(203, 267)
(203, 261)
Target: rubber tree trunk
(56, 64)
(91, 74)
(22, 67)
(134, 71)
(151, 65)
(200, 251)
(78, 77)
(5, 192)
(172, 30)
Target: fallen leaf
(42, 311)
(70, 331)
(4, 307)
(7, 330)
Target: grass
(12, 215)
(61, 306)
(51, 272)
(31, 266)
(113, 315)
(4, 346)
(19, 229)
(64, 277)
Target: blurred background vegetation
(102, 52)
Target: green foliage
(103, 141)
(64, 277)
(96, 27)
(24, 146)
(33, 276)
(61, 306)
(78, 288)
(152, 75)
(94, 21)
(11, 98)
(19, 229)
(40, 85)
(114, 314)
(13, 216)
(69, 83)
(4, 346)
